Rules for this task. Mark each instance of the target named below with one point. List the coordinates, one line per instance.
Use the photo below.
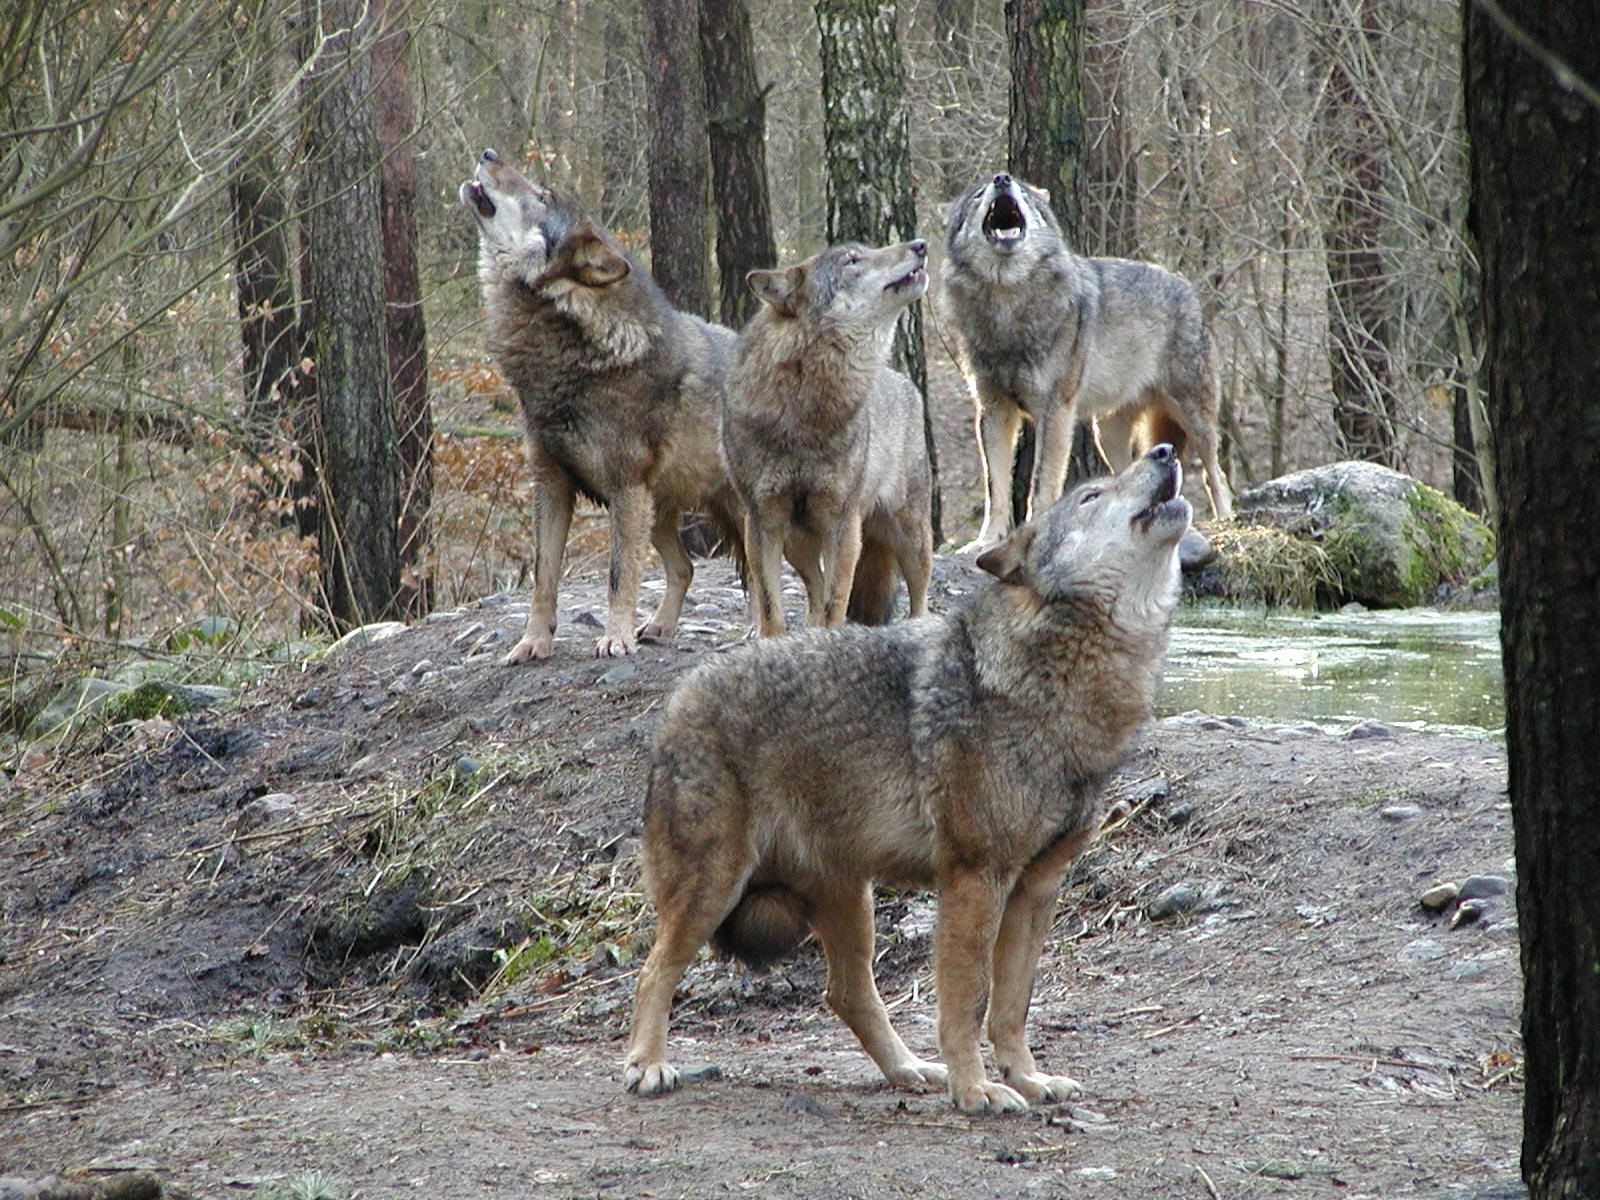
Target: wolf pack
(966, 752)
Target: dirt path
(380, 921)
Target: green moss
(153, 699)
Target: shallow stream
(1420, 668)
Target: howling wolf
(1049, 334)
(966, 753)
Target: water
(1420, 668)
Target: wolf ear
(1042, 192)
(783, 290)
(594, 262)
(1008, 562)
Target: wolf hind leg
(843, 924)
(679, 569)
(690, 906)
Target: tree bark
(736, 109)
(358, 497)
(680, 167)
(867, 144)
(1359, 333)
(1049, 148)
(406, 331)
(1535, 175)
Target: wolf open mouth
(1166, 503)
(1005, 221)
(911, 279)
(480, 199)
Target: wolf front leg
(632, 515)
(969, 918)
(553, 498)
(763, 545)
(841, 550)
(1023, 929)
(998, 419)
(842, 921)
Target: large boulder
(1363, 533)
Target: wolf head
(1001, 227)
(1109, 543)
(534, 235)
(848, 289)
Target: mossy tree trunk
(1532, 69)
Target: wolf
(1058, 337)
(966, 752)
(621, 397)
(823, 442)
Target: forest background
(179, 184)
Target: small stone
(618, 674)
(1368, 730)
(1422, 950)
(1439, 897)
(1469, 912)
(467, 767)
(593, 622)
(1177, 899)
(422, 667)
(1180, 814)
(1477, 887)
(1400, 812)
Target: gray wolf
(966, 752)
(823, 442)
(621, 396)
(1058, 337)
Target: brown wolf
(1047, 333)
(621, 396)
(824, 443)
(967, 753)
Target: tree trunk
(680, 168)
(407, 334)
(736, 109)
(1048, 148)
(358, 498)
(868, 150)
(1359, 333)
(1111, 169)
(1534, 179)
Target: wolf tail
(873, 590)
(766, 925)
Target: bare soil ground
(380, 920)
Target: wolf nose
(490, 156)
(919, 248)
(1162, 453)
(1002, 180)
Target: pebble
(1468, 912)
(1400, 812)
(1422, 950)
(467, 767)
(1477, 887)
(618, 674)
(1179, 898)
(1439, 897)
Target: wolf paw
(1039, 1088)
(650, 1079)
(529, 648)
(616, 645)
(919, 1075)
(977, 546)
(988, 1097)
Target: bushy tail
(766, 925)
(872, 593)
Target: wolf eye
(1089, 496)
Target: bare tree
(1533, 112)
(680, 167)
(406, 330)
(1049, 149)
(736, 107)
(870, 197)
(355, 452)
